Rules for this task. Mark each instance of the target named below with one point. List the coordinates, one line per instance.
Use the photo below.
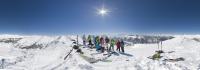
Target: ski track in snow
(55, 48)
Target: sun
(103, 11)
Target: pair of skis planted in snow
(74, 42)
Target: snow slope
(51, 50)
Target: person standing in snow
(93, 41)
(97, 42)
(90, 41)
(102, 44)
(107, 42)
(84, 41)
(118, 45)
(122, 45)
(112, 43)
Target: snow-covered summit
(47, 52)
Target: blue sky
(80, 16)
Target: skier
(90, 41)
(97, 43)
(112, 43)
(107, 42)
(122, 46)
(118, 45)
(93, 41)
(84, 41)
(102, 44)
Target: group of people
(103, 43)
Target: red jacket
(118, 44)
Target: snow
(55, 48)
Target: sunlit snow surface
(50, 55)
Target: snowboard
(93, 60)
(106, 60)
(174, 60)
(89, 59)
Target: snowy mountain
(48, 52)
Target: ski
(68, 54)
